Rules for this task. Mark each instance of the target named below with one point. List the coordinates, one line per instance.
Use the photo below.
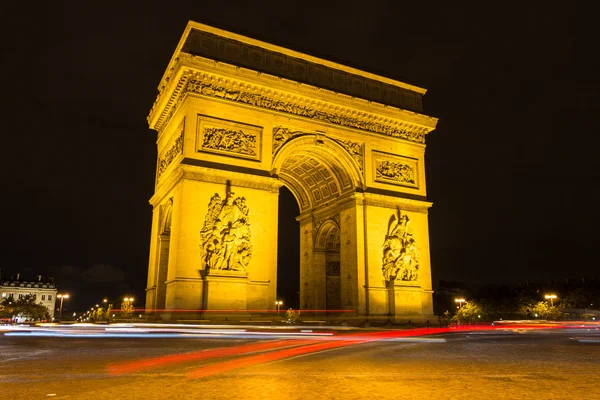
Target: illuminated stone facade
(237, 119)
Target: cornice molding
(211, 175)
(378, 200)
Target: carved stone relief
(169, 156)
(402, 173)
(230, 140)
(400, 257)
(395, 170)
(198, 86)
(281, 135)
(225, 239)
(354, 149)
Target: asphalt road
(481, 365)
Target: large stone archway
(236, 120)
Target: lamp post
(551, 297)
(61, 297)
(460, 302)
(278, 303)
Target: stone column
(152, 262)
(352, 263)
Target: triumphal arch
(237, 119)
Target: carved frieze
(395, 170)
(229, 138)
(400, 260)
(167, 158)
(198, 86)
(225, 238)
(281, 135)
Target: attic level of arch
(296, 68)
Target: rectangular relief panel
(229, 138)
(395, 170)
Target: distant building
(43, 291)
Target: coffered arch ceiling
(315, 173)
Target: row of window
(21, 295)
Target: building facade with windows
(43, 291)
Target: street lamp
(61, 297)
(551, 297)
(459, 301)
(278, 303)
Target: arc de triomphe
(238, 118)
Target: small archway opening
(164, 244)
(327, 246)
(288, 250)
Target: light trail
(120, 369)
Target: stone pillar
(152, 263)
(307, 291)
(352, 266)
(192, 287)
(400, 300)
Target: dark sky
(512, 168)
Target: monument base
(224, 295)
(405, 304)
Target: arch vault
(237, 119)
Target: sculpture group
(225, 237)
(400, 257)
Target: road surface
(507, 364)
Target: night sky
(512, 168)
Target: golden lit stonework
(236, 120)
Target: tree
(470, 311)
(581, 298)
(7, 308)
(540, 309)
(26, 307)
(126, 309)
